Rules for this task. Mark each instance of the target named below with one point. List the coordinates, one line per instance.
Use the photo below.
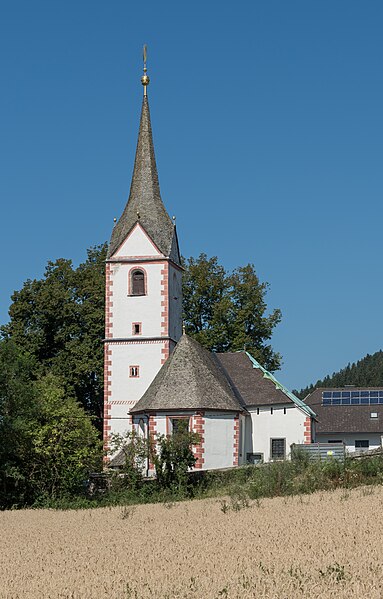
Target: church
(154, 374)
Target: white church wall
(219, 440)
(145, 309)
(125, 390)
(137, 244)
(273, 422)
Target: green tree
(48, 443)
(59, 320)
(65, 444)
(18, 411)
(173, 457)
(367, 372)
(227, 311)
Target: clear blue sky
(268, 126)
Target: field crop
(324, 545)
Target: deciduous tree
(227, 311)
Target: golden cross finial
(145, 79)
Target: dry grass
(324, 545)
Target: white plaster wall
(349, 440)
(262, 427)
(137, 244)
(219, 440)
(161, 423)
(143, 308)
(175, 303)
(126, 389)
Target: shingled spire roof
(145, 204)
(190, 379)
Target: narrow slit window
(134, 372)
(137, 282)
(136, 328)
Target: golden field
(325, 545)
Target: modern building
(349, 415)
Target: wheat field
(324, 545)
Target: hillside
(367, 372)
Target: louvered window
(138, 283)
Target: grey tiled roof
(145, 198)
(345, 418)
(191, 378)
(249, 382)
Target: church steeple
(145, 204)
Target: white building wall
(138, 243)
(375, 440)
(219, 440)
(143, 308)
(126, 390)
(262, 427)
(158, 312)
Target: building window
(278, 449)
(362, 443)
(137, 282)
(335, 441)
(134, 372)
(136, 328)
(179, 425)
(254, 458)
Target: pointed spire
(145, 203)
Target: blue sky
(268, 127)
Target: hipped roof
(145, 204)
(190, 379)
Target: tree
(65, 444)
(173, 457)
(227, 311)
(59, 320)
(367, 372)
(18, 409)
(48, 444)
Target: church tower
(143, 313)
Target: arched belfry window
(137, 283)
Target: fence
(320, 451)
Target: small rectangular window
(134, 372)
(136, 328)
(278, 449)
(374, 415)
(335, 441)
(362, 444)
(179, 425)
(254, 458)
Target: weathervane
(145, 79)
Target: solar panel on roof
(345, 398)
